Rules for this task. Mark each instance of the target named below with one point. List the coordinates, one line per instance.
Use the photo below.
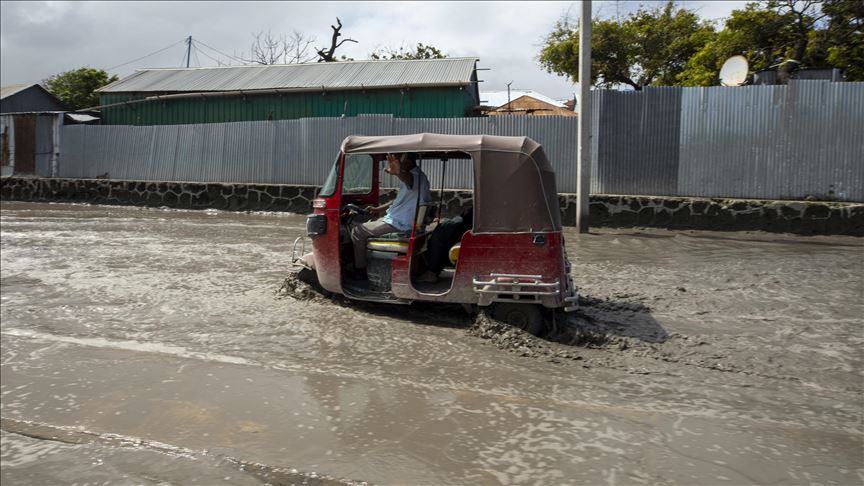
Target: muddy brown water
(149, 346)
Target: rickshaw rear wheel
(527, 317)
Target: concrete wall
(800, 217)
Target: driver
(399, 213)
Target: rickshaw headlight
(316, 224)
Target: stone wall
(182, 195)
(800, 217)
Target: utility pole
(583, 167)
(188, 50)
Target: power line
(220, 52)
(197, 49)
(148, 55)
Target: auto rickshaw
(512, 260)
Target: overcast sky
(38, 39)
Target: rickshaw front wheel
(527, 317)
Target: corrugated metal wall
(765, 142)
(407, 103)
(44, 150)
(284, 151)
(780, 142)
(631, 126)
(40, 146)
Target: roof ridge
(363, 61)
(371, 74)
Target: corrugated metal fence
(768, 142)
(284, 151)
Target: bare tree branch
(268, 49)
(328, 56)
(299, 47)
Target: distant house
(30, 118)
(522, 102)
(28, 98)
(428, 88)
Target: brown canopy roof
(514, 184)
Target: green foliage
(647, 48)
(76, 88)
(422, 51)
(671, 47)
(770, 33)
(844, 37)
(761, 35)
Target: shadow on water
(621, 318)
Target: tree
(648, 47)
(802, 17)
(422, 51)
(76, 88)
(268, 49)
(785, 35)
(844, 37)
(760, 34)
(329, 55)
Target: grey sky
(38, 39)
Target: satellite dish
(734, 71)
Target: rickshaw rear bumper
(525, 289)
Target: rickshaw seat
(398, 242)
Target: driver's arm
(396, 168)
(378, 210)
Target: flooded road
(147, 346)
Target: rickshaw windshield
(329, 187)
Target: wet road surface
(147, 346)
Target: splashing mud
(298, 288)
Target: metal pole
(583, 168)
(188, 50)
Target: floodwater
(150, 346)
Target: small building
(30, 120)
(522, 102)
(28, 98)
(428, 88)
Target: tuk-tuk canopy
(514, 184)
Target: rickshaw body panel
(487, 254)
(326, 247)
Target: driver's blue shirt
(400, 214)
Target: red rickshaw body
(513, 253)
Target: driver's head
(406, 160)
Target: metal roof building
(28, 98)
(404, 88)
(497, 99)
